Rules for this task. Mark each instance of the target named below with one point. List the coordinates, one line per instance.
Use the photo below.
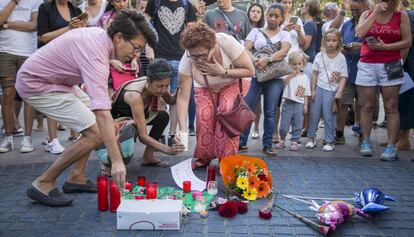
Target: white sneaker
(328, 147)
(6, 145)
(54, 147)
(27, 145)
(321, 124)
(310, 145)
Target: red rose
(265, 214)
(263, 177)
(228, 209)
(242, 207)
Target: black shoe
(243, 148)
(340, 140)
(269, 151)
(89, 187)
(54, 199)
(191, 131)
(171, 140)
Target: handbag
(394, 70)
(336, 103)
(119, 78)
(238, 119)
(274, 70)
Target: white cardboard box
(149, 215)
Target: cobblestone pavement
(307, 172)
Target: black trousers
(159, 123)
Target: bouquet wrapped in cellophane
(246, 177)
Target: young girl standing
(295, 94)
(327, 83)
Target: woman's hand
(117, 65)
(378, 46)
(175, 149)
(313, 95)
(201, 8)
(262, 63)
(298, 28)
(211, 69)
(288, 27)
(76, 23)
(149, 53)
(380, 7)
(338, 94)
(135, 65)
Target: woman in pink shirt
(386, 31)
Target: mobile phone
(371, 40)
(294, 19)
(82, 16)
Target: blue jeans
(174, 76)
(292, 114)
(271, 91)
(191, 108)
(322, 106)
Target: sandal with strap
(280, 145)
(198, 163)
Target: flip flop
(161, 163)
(54, 199)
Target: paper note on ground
(183, 171)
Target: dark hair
(158, 69)
(293, 5)
(281, 9)
(261, 22)
(313, 8)
(197, 34)
(131, 23)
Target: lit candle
(211, 174)
(187, 186)
(151, 190)
(114, 197)
(141, 181)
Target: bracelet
(270, 59)
(226, 73)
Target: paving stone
(238, 229)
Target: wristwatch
(270, 59)
(5, 25)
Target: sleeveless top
(389, 33)
(121, 109)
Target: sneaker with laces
(310, 145)
(27, 145)
(366, 149)
(328, 147)
(390, 153)
(54, 147)
(7, 144)
(356, 129)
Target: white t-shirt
(18, 42)
(337, 64)
(93, 21)
(294, 37)
(259, 39)
(297, 88)
(230, 50)
(327, 24)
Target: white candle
(198, 207)
(212, 191)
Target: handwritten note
(183, 171)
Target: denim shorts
(374, 74)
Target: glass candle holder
(187, 186)
(211, 174)
(151, 190)
(141, 181)
(212, 188)
(102, 182)
(200, 203)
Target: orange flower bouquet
(246, 177)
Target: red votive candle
(211, 174)
(187, 186)
(139, 197)
(141, 181)
(128, 186)
(151, 190)
(102, 182)
(114, 197)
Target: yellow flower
(242, 183)
(250, 194)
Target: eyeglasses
(136, 49)
(199, 56)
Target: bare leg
(258, 112)
(39, 118)
(173, 120)
(390, 97)
(75, 152)
(17, 106)
(52, 128)
(367, 108)
(7, 109)
(341, 118)
(28, 119)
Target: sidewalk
(307, 172)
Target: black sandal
(269, 151)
